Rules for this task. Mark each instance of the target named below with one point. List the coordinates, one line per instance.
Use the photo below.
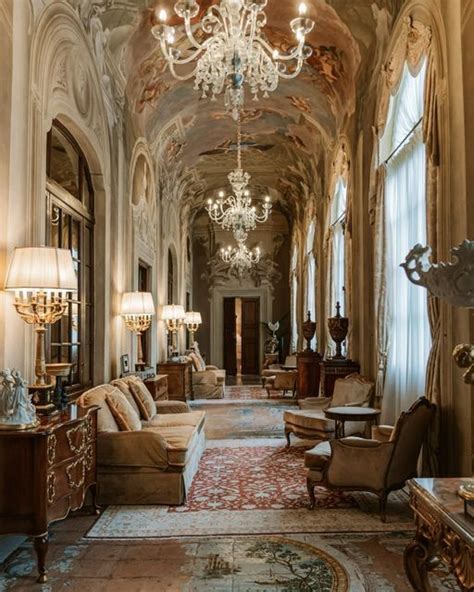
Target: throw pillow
(125, 416)
(202, 363)
(123, 384)
(195, 360)
(143, 399)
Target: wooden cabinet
(308, 364)
(331, 370)
(46, 473)
(158, 386)
(180, 379)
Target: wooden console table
(443, 533)
(180, 379)
(46, 473)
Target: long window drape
(310, 276)
(405, 225)
(294, 300)
(336, 258)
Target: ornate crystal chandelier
(236, 212)
(234, 51)
(240, 257)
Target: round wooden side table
(342, 414)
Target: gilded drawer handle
(51, 487)
(69, 470)
(51, 449)
(70, 435)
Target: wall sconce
(137, 310)
(41, 278)
(173, 315)
(192, 321)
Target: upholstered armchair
(310, 423)
(273, 369)
(377, 465)
(281, 380)
(207, 384)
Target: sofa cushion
(123, 384)
(309, 420)
(143, 399)
(124, 414)
(96, 396)
(193, 419)
(202, 363)
(318, 457)
(195, 361)
(180, 442)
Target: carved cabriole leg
(310, 486)
(41, 548)
(417, 561)
(287, 436)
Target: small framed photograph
(124, 364)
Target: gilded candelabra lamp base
(137, 311)
(192, 320)
(338, 327)
(309, 329)
(17, 412)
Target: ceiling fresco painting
(287, 136)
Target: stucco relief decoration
(411, 47)
(81, 89)
(144, 208)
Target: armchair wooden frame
(385, 453)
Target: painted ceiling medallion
(234, 51)
(240, 258)
(236, 212)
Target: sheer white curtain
(294, 300)
(310, 276)
(405, 225)
(336, 271)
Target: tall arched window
(294, 299)
(310, 275)
(337, 228)
(70, 225)
(406, 315)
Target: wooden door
(250, 335)
(230, 341)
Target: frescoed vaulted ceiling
(285, 136)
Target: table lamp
(137, 310)
(41, 278)
(173, 315)
(192, 320)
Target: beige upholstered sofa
(311, 423)
(153, 463)
(380, 465)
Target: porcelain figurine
(17, 412)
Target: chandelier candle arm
(234, 53)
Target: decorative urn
(338, 327)
(309, 329)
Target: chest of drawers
(46, 473)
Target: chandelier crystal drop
(240, 258)
(236, 212)
(231, 50)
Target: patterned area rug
(253, 419)
(257, 478)
(254, 392)
(253, 490)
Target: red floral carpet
(260, 478)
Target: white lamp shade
(137, 303)
(193, 318)
(172, 312)
(47, 269)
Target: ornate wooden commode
(443, 533)
(46, 473)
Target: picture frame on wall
(124, 364)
